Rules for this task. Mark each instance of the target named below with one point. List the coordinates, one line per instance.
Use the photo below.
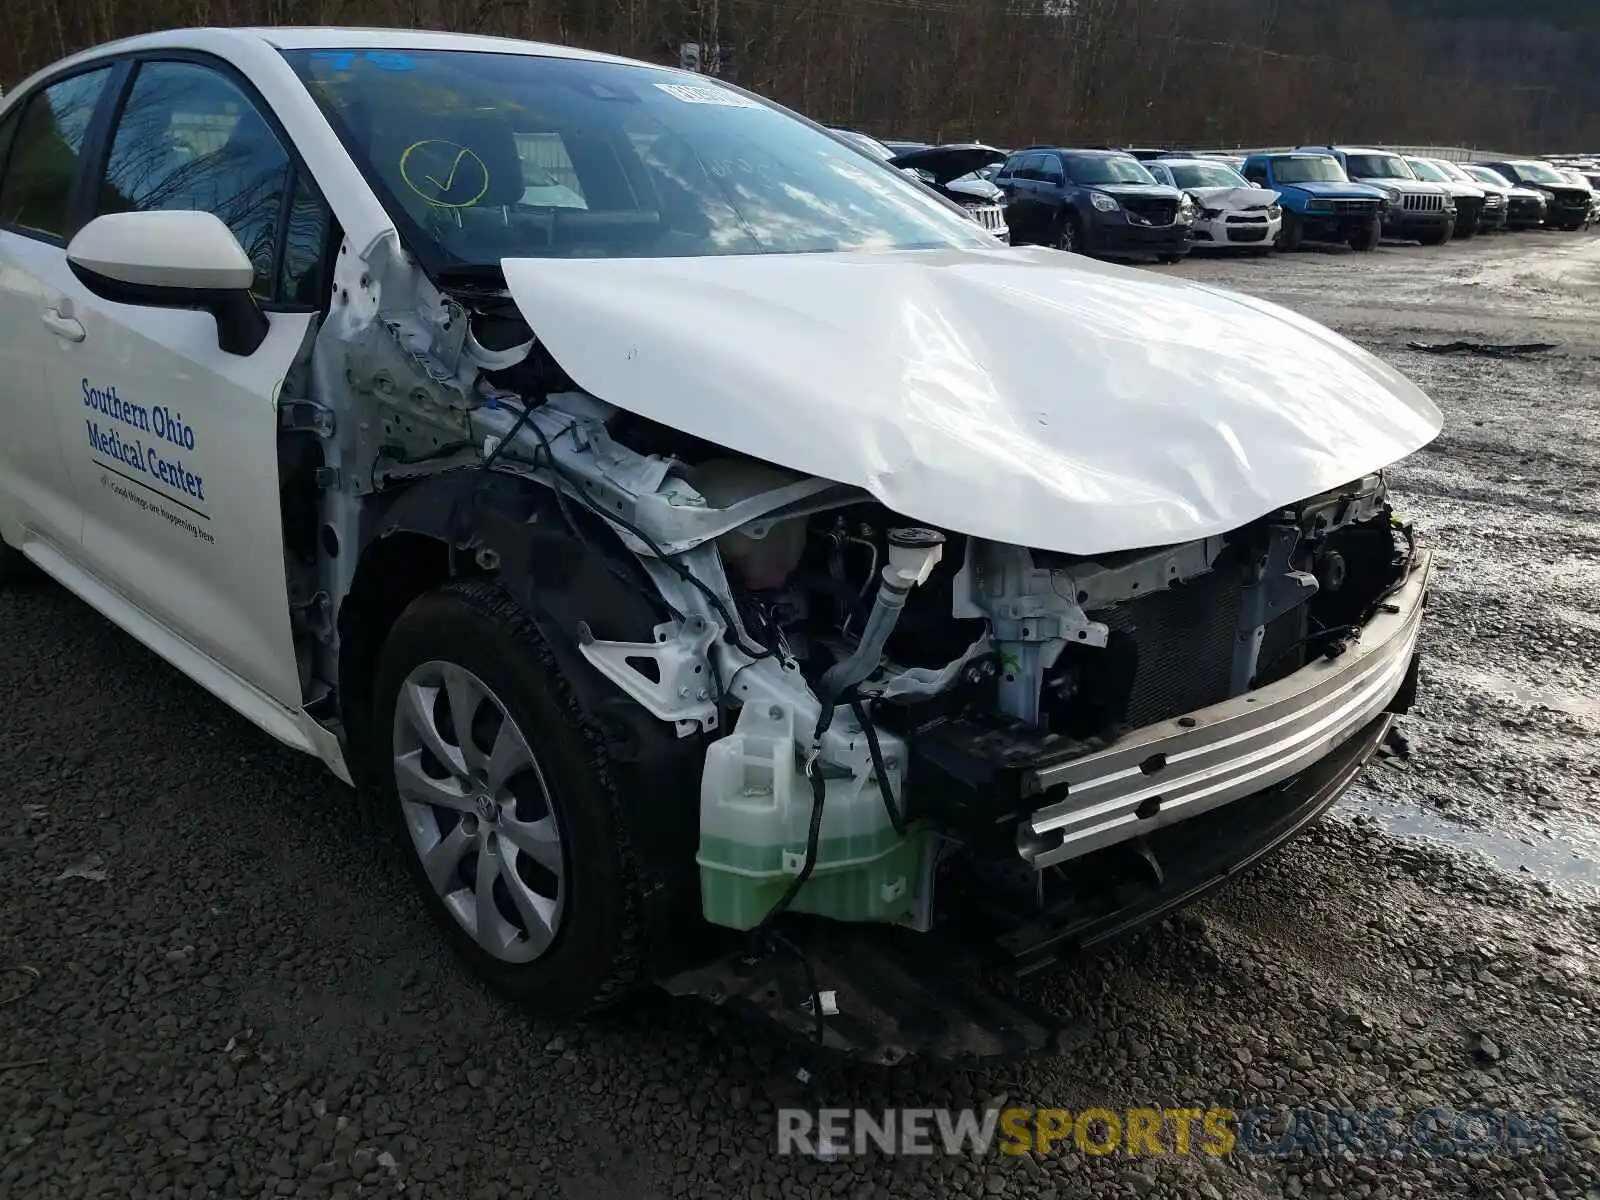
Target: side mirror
(176, 259)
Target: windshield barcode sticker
(691, 94)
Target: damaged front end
(877, 771)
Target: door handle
(69, 328)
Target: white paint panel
(1020, 395)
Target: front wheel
(1169, 259)
(1368, 237)
(1438, 237)
(500, 802)
(1294, 232)
(1069, 237)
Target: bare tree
(1219, 72)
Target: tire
(1439, 238)
(1293, 233)
(1467, 230)
(1169, 259)
(1369, 237)
(568, 862)
(1068, 235)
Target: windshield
(1308, 170)
(1538, 173)
(1377, 166)
(1426, 170)
(1486, 175)
(485, 156)
(1204, 175)
(1107, 169)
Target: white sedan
(680, 522)
(1230, 211)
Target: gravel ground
(239, 996)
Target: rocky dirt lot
(238, 995)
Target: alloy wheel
(479, 811)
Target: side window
(8, 130)
(1052, 172)
(189, 139)
(1032, 167)
(43, 162)
(305, 244)
(1256, 172)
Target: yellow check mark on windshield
(444, 188)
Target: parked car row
(1163, 203)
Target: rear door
(1028, 179)
(171, 441)
(42, 140)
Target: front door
(171, 442)
(41, 141)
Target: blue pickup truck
(1320, 204)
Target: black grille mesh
(1153, 209)
(1184, 637)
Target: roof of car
(1084, 151)
(289, 37)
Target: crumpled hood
(1238, 199)
(1020, 395)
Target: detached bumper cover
(1176, 770)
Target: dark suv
(1100, 202)
(1568, 204)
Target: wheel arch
(497, 526)
(473, 524)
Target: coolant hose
(863, 661)
(912, 554)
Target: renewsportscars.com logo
(1263, 1131)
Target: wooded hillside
(1017, 71)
